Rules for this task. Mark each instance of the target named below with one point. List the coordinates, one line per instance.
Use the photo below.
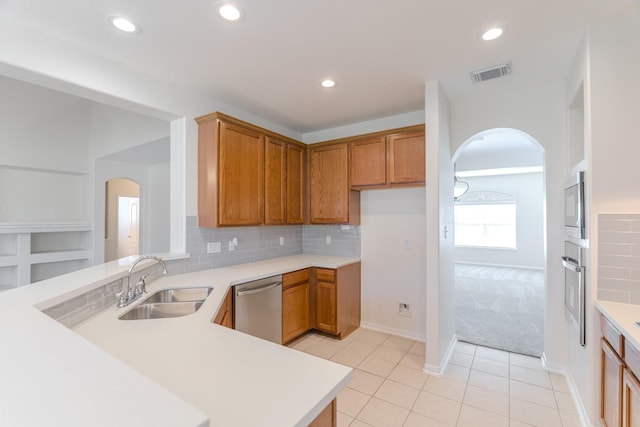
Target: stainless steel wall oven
(574, 286)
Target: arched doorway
(500, 242)
(122, 219)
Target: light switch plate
(214, 247)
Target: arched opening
(499, 241)
(122, 219)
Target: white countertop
(160, 372)
(623, 317)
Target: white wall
(539, 112)
(391, 271)
(528, 192)
(439, 233)
(156, 220)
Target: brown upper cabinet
(331, 199)
(395, 158)
(243, 176)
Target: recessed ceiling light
(328, 83)
(492, 33)
(229, 11)
(123, 24)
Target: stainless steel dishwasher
(258, 308)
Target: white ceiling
(380, 52)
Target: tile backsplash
(619, 257)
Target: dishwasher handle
(570, 264)
(263, 288)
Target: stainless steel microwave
(574, 207)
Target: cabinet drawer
(295, 277)
(615, 338)
(326, 275)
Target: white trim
(573, 388)
(394, 331)
(486, 264)
(439, 370)
(500, 171)
(25, 227)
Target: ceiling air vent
(490, 73)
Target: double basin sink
(169, 303)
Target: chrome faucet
(130, 294)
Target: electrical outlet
(404, 309)
(232, 247)
(406, 244)
(328, 240)
(214, 247)
(281, 241)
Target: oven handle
(570, 264)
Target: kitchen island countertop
(161, 372)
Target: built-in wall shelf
(33, 252)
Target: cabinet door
(406, 158)
(368, 165)
(241, 176)
(610, 386)
(274, 181)
(630, 400)
(295, 311)
(326, 307)
(295, 184)
(329, 201)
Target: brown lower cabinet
(295, 304)
(328, 417)
(619, 386)
(225, 314)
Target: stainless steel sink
(179, 295)
(161, 310)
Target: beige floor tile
(476, 417)
(416, 420)
(516, 423)
(418, 348)
(399, 343)
(305, 342)
(408, 376)
(458, 373)
(490, 366)
(348, 358)
(533, 393)
(373, 336)
(389, 354)
(446, 387)
(344, 420)
(360, 346)
(399, 394)
(351, 402)
(526, 361)
(437, 407)
(358, 423)
(323, 349)
(465, 347)
(375, 366)
(461, 359)
(534, 414)
(489, 381)
(487, 400)
(559, 382)
(570, 420)
(412, 361)
(383, 414)
(531, 376)
(565, 403)
(365, 382)
(493, 354)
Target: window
(485, 219)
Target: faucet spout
(128, 295)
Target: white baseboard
(394, 331)
(439, 370)
(573, 388)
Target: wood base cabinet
(328, 417)
(338, 300)
(225, 314)
(610, 386)
(630, 400)
(295, 304)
